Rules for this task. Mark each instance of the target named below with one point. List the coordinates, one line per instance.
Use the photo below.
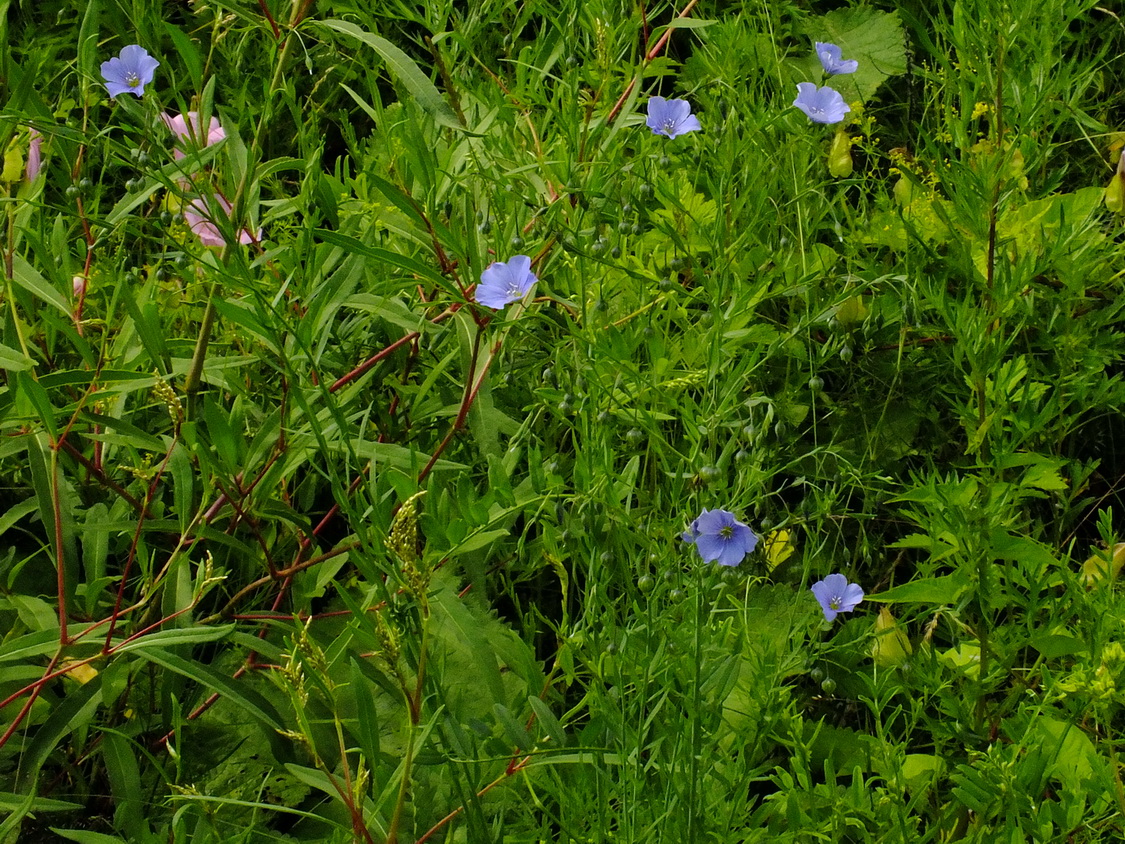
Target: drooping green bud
(1115, 194)
(13, 163)
(840, 155)
(890, 646)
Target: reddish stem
(652, 54)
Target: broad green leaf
(873, 38)
(1053, 645)
(930, 590)
(918, 769)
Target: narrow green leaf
(417, 83)
(10, 802)
(29, 646)
(33, 391)
(183, 485)
(88, 40)
(552, 730)
(367, 717)
(30, 279)
(14, 360)
(189, 53)
(356, 247)
(678, 23)
(83, 836)
(16, 512)
(125, 782)
(74, 712)
(253, 703)
(185, 636)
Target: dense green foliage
(299, 542)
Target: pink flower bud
(34, 155)
(189, 131)
(200, 216)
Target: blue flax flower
(671, 117)
(836, 595)
(129, 72)
(501, 284)
(831, 61)
(822, 105)
(719, 537)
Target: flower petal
(745, 538)
(678, 110)
(689, 124)
(133, 54)
(520, 267)
(835, 584)
(710, 546)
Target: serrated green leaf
(873, 38)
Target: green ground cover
(477, 421)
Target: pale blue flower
(129, 72)
(501, 284)
(719, 537)
(822, 105)
(831, 61)
(836, 595)
(671, 117)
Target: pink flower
(34, 155)
(201, 215)
(189, 131)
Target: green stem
(195, 372)
(414, 707)
(10, 271)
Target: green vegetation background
(300, 543)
